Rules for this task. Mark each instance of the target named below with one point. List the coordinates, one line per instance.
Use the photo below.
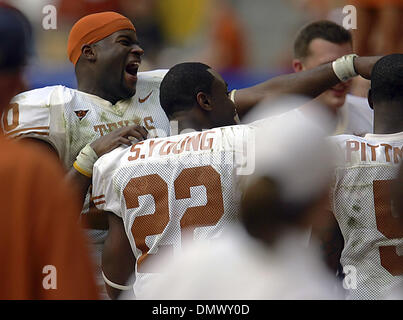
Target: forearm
(117, 258)
(116, 278)
(81, 172)
(309, 83)
(80, 181)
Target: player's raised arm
(310, 82)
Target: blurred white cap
(291, 147)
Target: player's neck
(189, 121)
(91, 88)
(387, 122)
(387, 128)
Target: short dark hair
(323, 29)
(181, 85)
(387, 79)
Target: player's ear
(370, 102)
(297, 65)
(88, 52)
(204, 101)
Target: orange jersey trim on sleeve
(28, 129)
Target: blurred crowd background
(247, 41)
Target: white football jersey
(168, 190)
(69, 119)
(361, 201)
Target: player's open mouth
(131, 70)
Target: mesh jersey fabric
(361, 203)
(69, 119)
(170, 190)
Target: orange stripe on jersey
(27, 129)
(97, 197)
(99, 202)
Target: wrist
(343, 67)
(115, 285)
(85, 161)
(93, 146)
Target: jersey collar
(119, 108)
(385, 137)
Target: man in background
(321, 42)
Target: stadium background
(247, 41)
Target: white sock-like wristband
(115, 285)
(85, 161)
(343, 67)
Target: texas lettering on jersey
(105, 128)
(68, 119)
